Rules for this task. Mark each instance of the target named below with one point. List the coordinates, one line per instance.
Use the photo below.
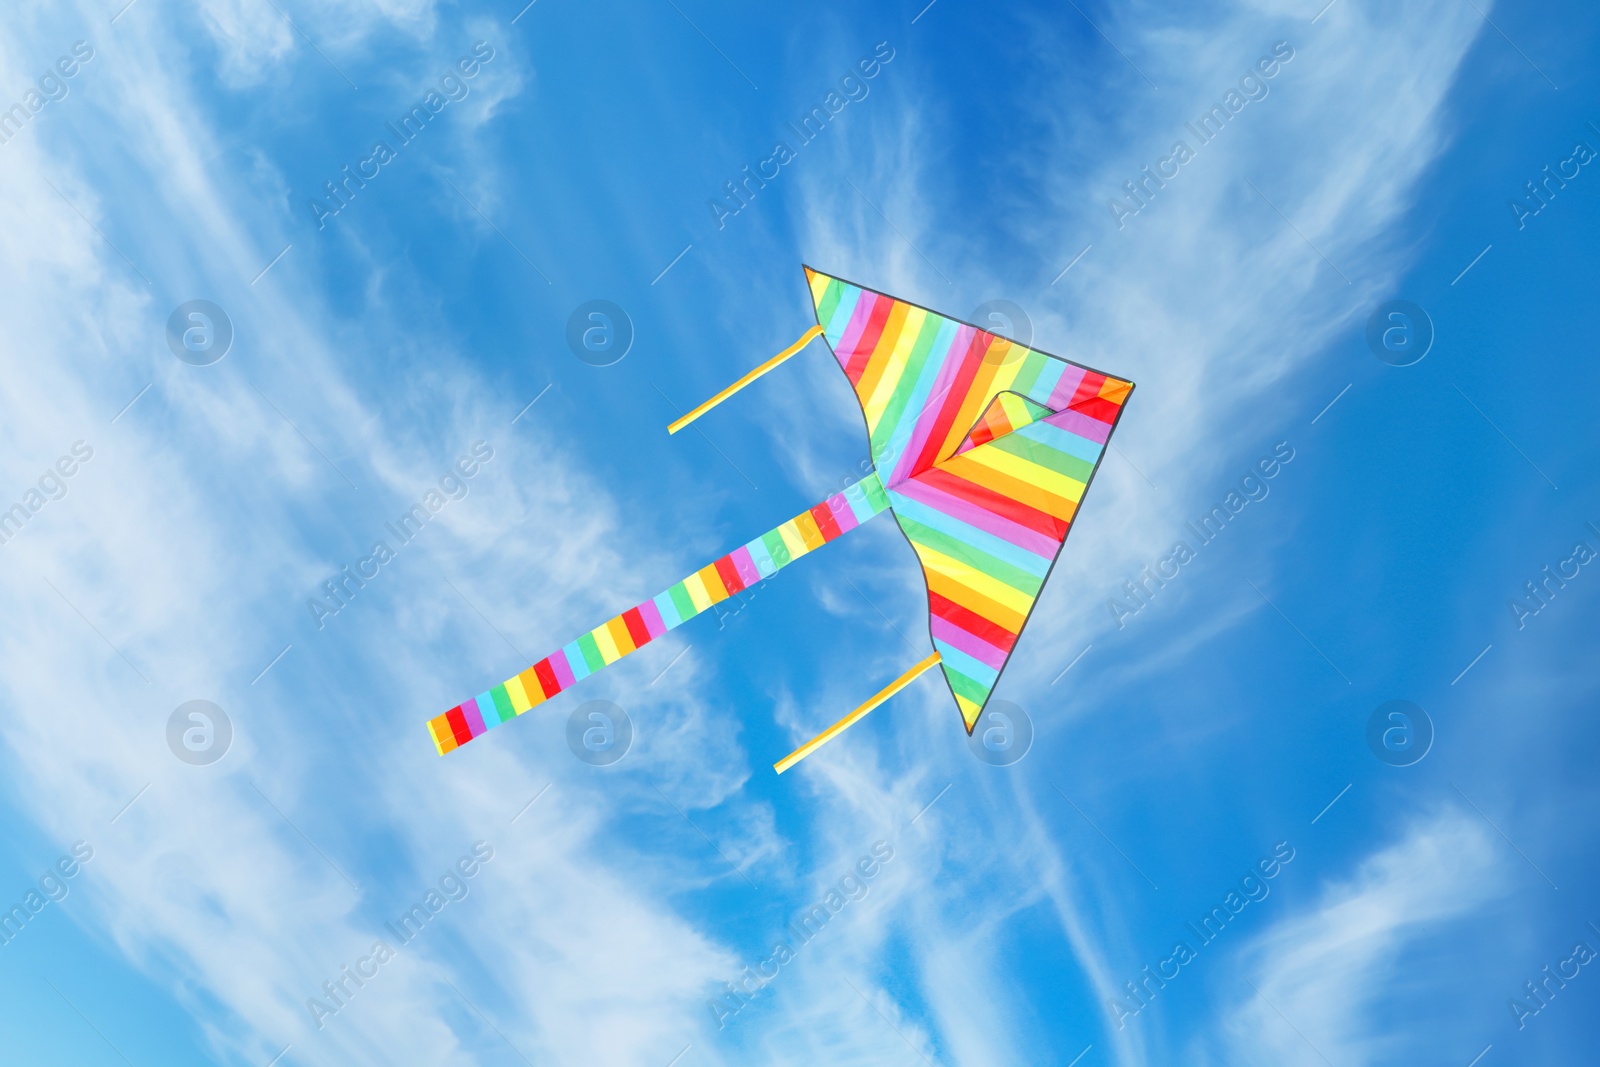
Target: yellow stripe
(1018, 490)
(998, 459)
(978, 397)
(969, 712)
(896, 367)
(620, 636)
(819, 285)
(953, 591)
(792, 540)
(608, 647)
(888, 341)
(807, 527)
(519, 697)
(1019, 480)
(969, 576)
(697, 592)
(843, 724)
(713, 582)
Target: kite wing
(985, 449)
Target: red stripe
(636, 627)
(547, 678)
(729, 575)
(1098, 407)
(1002, 505)
(966, 372)
(458, 725)
(868, 339)
(1088, 388)
(970, 621)
(825, 521)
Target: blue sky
(1222, 725)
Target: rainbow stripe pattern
(643, 623)
(984, 448)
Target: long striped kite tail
(643, 623)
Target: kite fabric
(636, 627)
(981, 447)
(985, 449)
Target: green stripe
(502, 701)
(1028, 373)
(872, 487)
(683, 602)
(776, 548)
(1045, 456)
(998, 569)
(907, 383)
(591, 653)
(829, 301)
(964, 686)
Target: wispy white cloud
(1325, 971)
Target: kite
(982, 448)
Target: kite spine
(643, 623)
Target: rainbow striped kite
(981, 448)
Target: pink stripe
(562, 669)
(653, 622)
(1066, 388)
(932, 404)
(843, 514)
(858, 324)
(976, 647)
(1082, 425)
(987, 521)
(745, 566)
(469, 711)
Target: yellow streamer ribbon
(810, 335)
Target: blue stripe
(488, 709)
(985, 542)
(761, 558)
(669, 611)
(962, 663)
(860, 506)
(833, 330)
(938, 357)
(575, 661)
(1062, 441)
